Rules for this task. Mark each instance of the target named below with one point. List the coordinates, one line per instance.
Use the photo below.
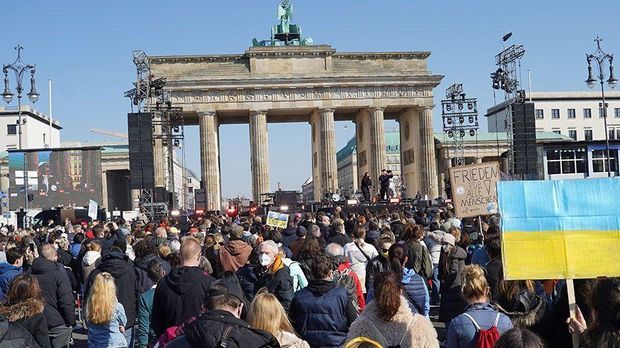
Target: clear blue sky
(85, 48)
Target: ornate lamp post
(19, 68)
(601, 59)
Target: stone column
(104, 191)
(159, 161)
(209, 159)
(327, 137)
(259, 155)
(377, 145)
(428, 164)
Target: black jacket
(209, 331)
(143, 282)
(29, 314)
(289, 235)
(121, 269)
(280, 284)
(56, 288)
(13, 335)
(375, 266)
(339, 238)
(179, 296)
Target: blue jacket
(415, 289)
(7, 273)
(320, 314)
(109, 335)
(462, 332)
(144, 333)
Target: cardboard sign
(278, 220)
(474, 189)
(92, 209)
(560, 229)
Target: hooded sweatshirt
(179, 296)
(90, 261)
(234, 254)
(7, 273)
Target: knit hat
(448, 239)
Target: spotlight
(472, 132)
(449, 120)
(471, 119)
(462, 133)
(470, 105)
(460, 106)
(448, 107)
(284, 208)
(461, 119)
(450, 134)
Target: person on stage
(366, 183)
(384, 184)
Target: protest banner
(560, 229)
(474, 190)
(276, 219)
(92, 209)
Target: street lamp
(19, 68)
(601, 58)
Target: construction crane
(109, 133)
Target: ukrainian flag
(560, 229)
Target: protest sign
(92, 209)
(474, 190)
(560, 229)
(278, 220)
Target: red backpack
(485, 338)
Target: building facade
(37, 132)
(577, 115)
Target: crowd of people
(330, 279)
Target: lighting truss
(460, 117)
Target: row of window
(571, 161)
(571, 113)
(613, 133)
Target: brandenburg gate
(314, 84)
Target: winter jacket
(8, 272)
(296, 273)
(415, 291)
(359, 260)
(56, 288)
(462, 332)
(29, 314)
(278, 283)
(89, 262)
(121, 269)
(372, 236)
(233, 255)
(75, 249)
(209, 329)
(64, 257)
(289, 235)
(452, 301)
(179, 296)
(108, 335)
(247, 276)
(144, 333)
(405, 329)
(419, 259)
(375, 266)
(290, 340)
(322, 313)
(14, 335)
(339, 238)
(433, 244)
(141, 269)
(494, 274)
(529, 311)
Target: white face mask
(265, 260)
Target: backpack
(485, 338)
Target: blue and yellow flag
(560, 229)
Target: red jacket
(345, 268)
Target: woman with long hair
(451, 262)
(105, 316)
(267, 314)
(359, 254)
(389, 320)
(24, 306)
(604, 330)
(309, 250)
(419, 259)
(479, 314)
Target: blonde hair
(164, 250)
(474, 282)
(102, 299)
(267, 314)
